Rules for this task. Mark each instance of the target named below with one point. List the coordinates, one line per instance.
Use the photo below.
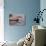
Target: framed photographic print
(18, 19)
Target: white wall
(43, 6)
(1, 21)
